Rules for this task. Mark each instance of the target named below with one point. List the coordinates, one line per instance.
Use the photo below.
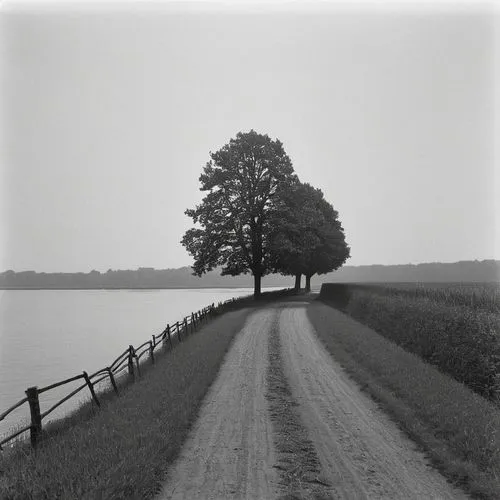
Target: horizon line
(188, 266)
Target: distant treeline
(464, 271)
(140, 278)
(468, 271)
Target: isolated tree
(242, 180)
(307, 237)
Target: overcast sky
(109, 114)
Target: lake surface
(49, 335)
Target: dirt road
(230, 452)
(237, 448)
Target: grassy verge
(124, 449)
(461, 341)
(459, 429)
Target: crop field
(479, 296)
(453, 326)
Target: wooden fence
(128, 360)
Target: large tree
(242, 180)
(307, 237)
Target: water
(49, 335)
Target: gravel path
(235, 449)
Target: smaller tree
(307, 236)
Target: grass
(124, 449)
(436, 324)
(459, 429)
(478, 296)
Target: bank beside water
(122, 449)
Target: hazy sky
(109, 114)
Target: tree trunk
(297, 282)
(257, 278)
(308, 282)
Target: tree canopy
(243, 180)
(307, 237)
(258, 217)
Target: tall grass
(454, 328)
(477, 296)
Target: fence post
(178, 331)
(185, 326)
(151, 351)
(91, 387)
(137, 364)
(164, 339)
(113, 381)
(193, 326)
(131, 361)
(169, 337)
(36, 418)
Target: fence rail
(125, 360)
